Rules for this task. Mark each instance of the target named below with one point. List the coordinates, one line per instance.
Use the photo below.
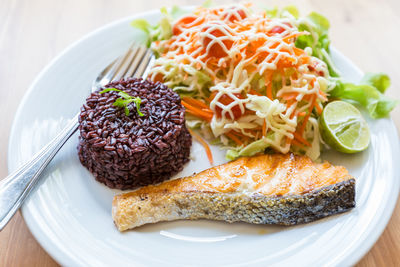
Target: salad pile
(252, 81)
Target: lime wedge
(343, 127)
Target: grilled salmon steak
(266, 189)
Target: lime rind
(343, 127)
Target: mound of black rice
(125, 152)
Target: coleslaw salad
(252, 81)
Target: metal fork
(136, 62)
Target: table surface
(34, 32)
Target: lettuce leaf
(380, 81)
(368, 94)
(163, 29)
(292, 10)
(276, 13)
(272, 12)
(160, 31)
(142, 25)
(177, 12)
(318, 26)
(321, 23)
(250, 150)
(207, 3)
(231, 154)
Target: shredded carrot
(196, 102)
(194, 113)
(301, 139)
(269, 90)
(273, 52)
(204, 144)
(298, 51)
(296, 143)
(264, 128)
(197, 112)
(234, 138)
(318, 108)
(312, 82)
(294, 35)
(268, 76)
(306, 118)
(290, 96)
(254, 92)
(303, 124)
(323, 95)
(243, 136)
(307, 97)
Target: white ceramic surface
(70, 213)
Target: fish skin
(133, 211)
(175, 200)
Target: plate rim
(60, 257)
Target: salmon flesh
(266, 189)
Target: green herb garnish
(124, 100)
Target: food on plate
(133, 133)
(266, 189)
(343, 127)
(256, 80)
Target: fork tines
(134, 63)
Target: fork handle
(16, 186)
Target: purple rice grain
(125, 152)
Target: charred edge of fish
(285, 210)
(256, 209)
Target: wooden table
(34, 32)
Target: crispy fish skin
(133, 211)
(188, 198)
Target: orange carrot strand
(301, 139)
(196, 102)
(204, 144)
(194, 113)
(294, 35)
(197, 112)
(234, 138)
(264, 128)
(254, 92)
(303, 124)
(297, 143)
(290, 96)
(269, 90)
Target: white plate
(70, 213)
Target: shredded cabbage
(285, 102)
